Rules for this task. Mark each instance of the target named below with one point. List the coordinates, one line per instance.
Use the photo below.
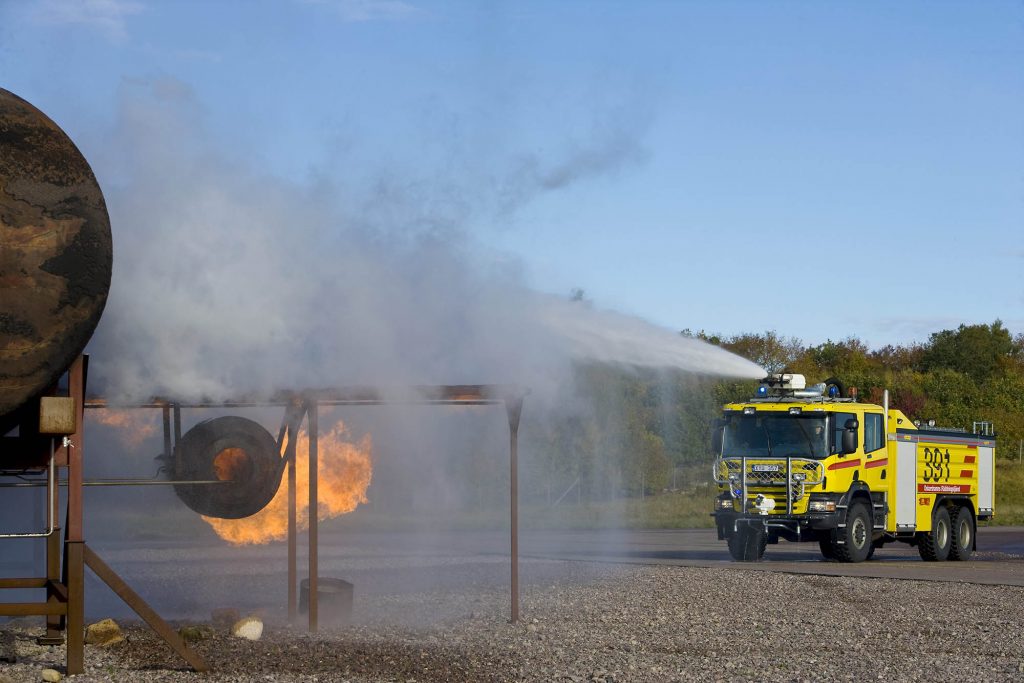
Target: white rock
(50, 675)
(250, 628)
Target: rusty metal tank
(55, 254)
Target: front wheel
(827, 547)
(934, 545)
(747, 544)
(962, 524)
(856, 536)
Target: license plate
(767, 468)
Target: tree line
(641, 427)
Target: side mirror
(850, 437)
(717, 436)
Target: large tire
(248, 487)
(962, 539)
(747, 545)
(856, 536)
(934, 545)
(827, 547)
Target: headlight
(822, 506)
(799, 476)
(724, 504)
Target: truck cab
(805, 463)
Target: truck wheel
(934, 545)
(962, 524)
(856, 536)
(747, 545)
(828, 549)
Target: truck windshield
(776, 434)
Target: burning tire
(233, 450)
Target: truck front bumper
(789, 527)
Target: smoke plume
(228, 280)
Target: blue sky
(821, 169)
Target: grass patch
(1009, 493)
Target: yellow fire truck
(810, 464)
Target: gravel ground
(607, 623)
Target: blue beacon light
(762, 391)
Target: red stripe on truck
(966, 474)
(844, 465)
(968, 459)
(877, 463)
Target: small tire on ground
(856, 536)
(747, 544)
(962, 537)
(934, 545)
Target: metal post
(293, 610)
(54, 622)
(177, 423)
(74, 540)
(514, 408)
(314, 503)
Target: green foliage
(977, 351)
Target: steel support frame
(65, 580)
(304, 406)
(513, 402)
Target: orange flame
(132, 426)
(344, 473)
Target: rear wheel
(856, 536)
(747, 545)
(962, 541)
(934, 545)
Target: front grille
(764, 472)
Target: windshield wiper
(768, 435)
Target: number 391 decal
(936, 464)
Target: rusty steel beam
(18, 582)
(75, 443)
(59, 589)
(32, 609)
(56, 592)
(514, 408)
(133, 600)
(313, 417)
(293, 417)
(75, 581)
(441, 394)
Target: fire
(132, 426)
(230, 463)
(345, 470)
